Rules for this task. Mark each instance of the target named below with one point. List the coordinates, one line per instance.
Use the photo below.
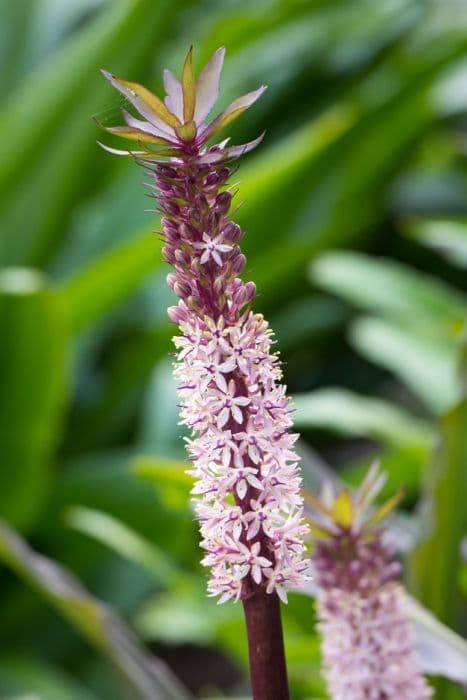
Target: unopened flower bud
(193, 303)
(201, 203)
(171, 208)
(232, 232)
(182, 257)
(250, 289)
(212, 179)
(171, 279)
(223, 201)
(223, 174)
(238, 263)
(182, 289)
(168, 254)
(178, 314)
(166, 171)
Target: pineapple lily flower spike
(368, 644)
(247, 489)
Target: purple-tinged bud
(196, 267)
(166, 171)
(171, 279)
(201, 204)
(219, 285)
(239, 297)
(182, 257)
(223, 201)
(185, 233)
(250, 288)
(164, 186)
(193, 302)
(238, 263)
(168, 254)
(168, 226)
(171, 207)
(232, 232)
(182, 289)
(212, 179)
(223, 174)
(178, 314)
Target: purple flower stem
(266, 646)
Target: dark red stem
(266, 646)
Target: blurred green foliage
(356, 219)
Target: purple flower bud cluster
(247, 494)
(368, 643)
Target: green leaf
(160, 431)
(434, 565)
(443, 651)
(448, 237)
(33, 368)
(396, 291)
(98, 288)
(34, 678)
(91, 618)
(122, 539)
(356, 167)
(169, 477)
(422, 359)
(184, 615)
(348, 413)
(48, 159)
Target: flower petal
(174, 99)
(188, 87)
(256, 483)
(231, 112)
(127, 132)
(237, 414)
(241, 489)
(207, 85)
(147, 104)
(118, 152)
(166, 133)
(256, 573)
(222, 418)
(253, 529)
(236, 151)
(220, 381)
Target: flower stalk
(247, 489)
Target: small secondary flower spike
(247, 493)
(367, 641)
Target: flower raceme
(367, 641)
(247, 490)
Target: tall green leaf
(99, 287)
(33, 369)
(421, 358)
(50, 164)
(148, 676)
(397, 291)
(350, 414)
(434, 565)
